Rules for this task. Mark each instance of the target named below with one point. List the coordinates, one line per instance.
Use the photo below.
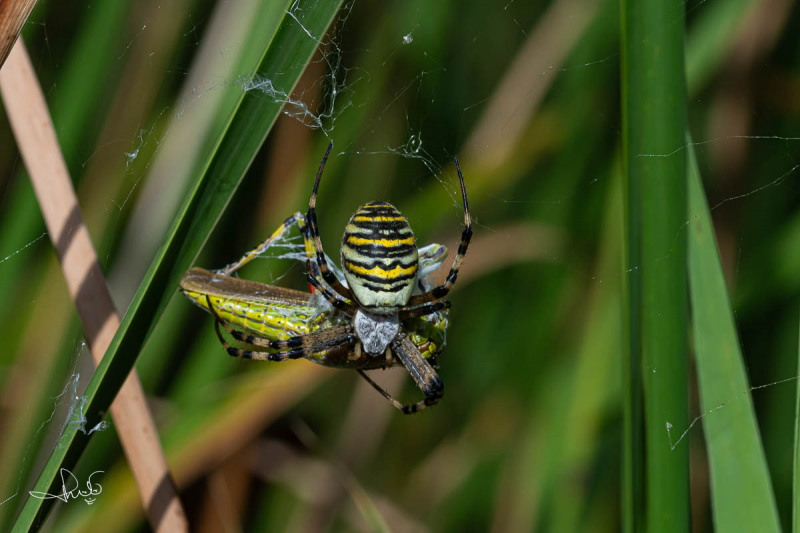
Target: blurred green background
(527, 94)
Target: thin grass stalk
(796, 484)
(654, 121)
(632, 500)
(36, 138)
(527, 79)
(712, 34)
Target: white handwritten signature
(70, 488)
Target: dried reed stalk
(13, 14)
(33, 130)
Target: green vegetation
(623, 342)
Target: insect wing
(270, 312)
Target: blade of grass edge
(283, 62)
(742, 497)
(796, 487)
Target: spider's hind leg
(406, 409)
(421, 371)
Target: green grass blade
(742, 496)
(710, 38)
(282, 64)
(796, 487)
(654, 122)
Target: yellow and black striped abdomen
(379, 257)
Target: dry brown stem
(33, 130)
(13, 14)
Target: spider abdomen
(379, 257)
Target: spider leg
(308, 242)
(315, 277)
(440, 291)
(334, 299)
(383, 392)
(308, 344)
(311, 218)
(299, 219)
(421, 371)
(422, 310)
(296, 218)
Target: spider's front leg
(315, 277)
(316, 243)
(424, 309)
(439, 292)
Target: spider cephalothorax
(379, 321)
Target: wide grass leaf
(286, 54)
(742, 495)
